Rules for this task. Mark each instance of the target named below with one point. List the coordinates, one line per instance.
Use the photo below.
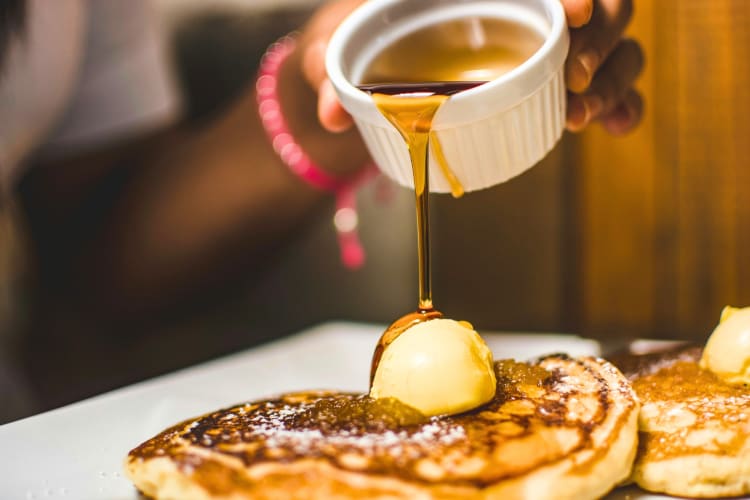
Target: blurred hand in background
(601, 68)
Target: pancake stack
(694, 428)
(558, 428)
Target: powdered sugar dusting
(278, 429)
(329, 426)
(358, 433)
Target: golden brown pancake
(562, 428)
(694, 438)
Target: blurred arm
(138, 226)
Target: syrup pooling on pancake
(537, 417)
(694, 426)
(678, 397)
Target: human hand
(313, 43)
(309, 103)
(602, 66)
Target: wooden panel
(614, 211)
(740, 134)
(662, 98)
(706, 254)
(664, 213)
(497, 252)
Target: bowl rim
(474, 104)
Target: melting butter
(727, 352)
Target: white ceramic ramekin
(489, 133)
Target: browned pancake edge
(559, 420)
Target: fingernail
(576, 114)
(582, 70)
(620, 120)
(326, 90)
(576, 77)
(326, 97)
(594, 105)
(328, 105)
(312, 60)
(622, 113)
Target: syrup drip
(409, 81)
(411, 108)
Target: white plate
(77, 452)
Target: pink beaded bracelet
(296, 159)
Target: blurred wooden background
(647, 235)
(663, 216)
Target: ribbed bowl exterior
(482, 153)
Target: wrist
(341, 155)
(291, 124)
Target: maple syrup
(468, 49)
(408, 82)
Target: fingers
(626, 115)
(313, 44)
(582, 110)
(578, 12)
(618, 121)
(611, 89)
(331, 114)
(618, 74)
(602, 66)
(591, 45)
(313, 63)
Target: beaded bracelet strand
(346, 218)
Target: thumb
(313, 62)
(331, 114)
(578, 12)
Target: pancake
(560, 428)
(694, 429)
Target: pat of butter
(727, 352)
(439, 367)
